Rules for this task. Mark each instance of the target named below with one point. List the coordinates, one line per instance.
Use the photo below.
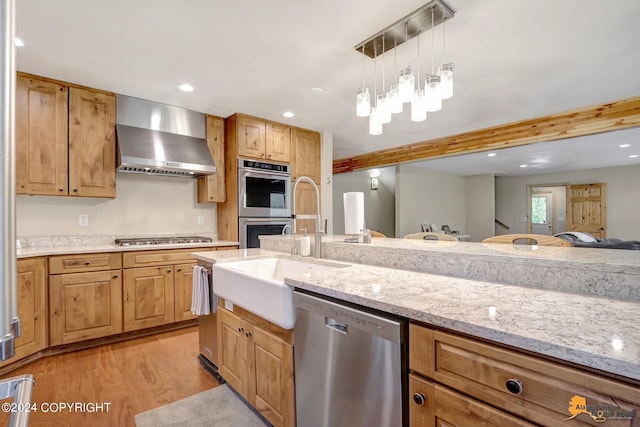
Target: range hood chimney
(159, 139)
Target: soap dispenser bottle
(305, 244)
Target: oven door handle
(261, 174)
(269, 221)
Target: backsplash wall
(143, 205)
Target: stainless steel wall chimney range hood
(159, 139)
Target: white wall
(379, 205)
(623, 197)
(479, 206)
(143, 204)
(428, 196)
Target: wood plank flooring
(134, 376)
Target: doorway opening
(546, 209)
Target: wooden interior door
(587, 209)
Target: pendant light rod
(410, 26)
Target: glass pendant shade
(375, 126)
(446, 80)
(395, 104)
(433, 98)
(418, 111)
(363, 102)
(406, 85)
(382, 108)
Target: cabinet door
(211, 188)
(232, 351)
(278, 142)
(41, 137)
(183, 291)
(84, 306)
(306, 204)
(31, 308)
(306, 161)
(251, 137)
(432, 405)
(148, 297)
(92, 143)
(271, 388)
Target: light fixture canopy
(437, 86)
(185, 87)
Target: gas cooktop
(162, 240)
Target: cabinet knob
(179, 269)
(115, 276)
(240, 329)
(514, 386)
(169, 271)
(419, 399)
(61, 189)
(75, 190)
(247, 334)
(87, 263)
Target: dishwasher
(350, 365)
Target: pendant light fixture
(433, 97)
(426, 95)
(363, 99)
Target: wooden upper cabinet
(587, 209)
(306, 158)
(92, 143)
(41, 137)
(211, 188)
(278, 142)
(251, 137)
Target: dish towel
(200, 298)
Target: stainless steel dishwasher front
(350, 365)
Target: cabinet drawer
(536, 389)
(84, 262)
(432, 405)
(160, 257)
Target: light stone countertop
(592, 331)
(66, 245)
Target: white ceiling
(513, 59)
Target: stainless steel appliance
(263, 189)
(208, 333)
(162, 240)
(350, 365)
(250, 228)
(160, 139)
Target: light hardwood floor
(134, 376)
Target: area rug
(219, 407)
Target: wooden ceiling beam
(584, 121)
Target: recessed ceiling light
(624, 145)
(523, 166)
(288, 114)
(633, 156)
(18, 42)
(185, 87)
(491, 155)
(315, 90)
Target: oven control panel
(272, 167)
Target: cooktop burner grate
(162, 240)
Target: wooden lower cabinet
(433, 405)
(32, 309)
(83, 306)
(183, 290)
(529, 387)
(147, 297)
(259, 365)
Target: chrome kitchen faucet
(316, 217)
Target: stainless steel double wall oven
(264, 200)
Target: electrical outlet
(228, 305)
(200, 220)
(83, 220)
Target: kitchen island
(490, 340)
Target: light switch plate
(228, 305)
(83, 220)
(200, 220)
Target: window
(539, 209)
